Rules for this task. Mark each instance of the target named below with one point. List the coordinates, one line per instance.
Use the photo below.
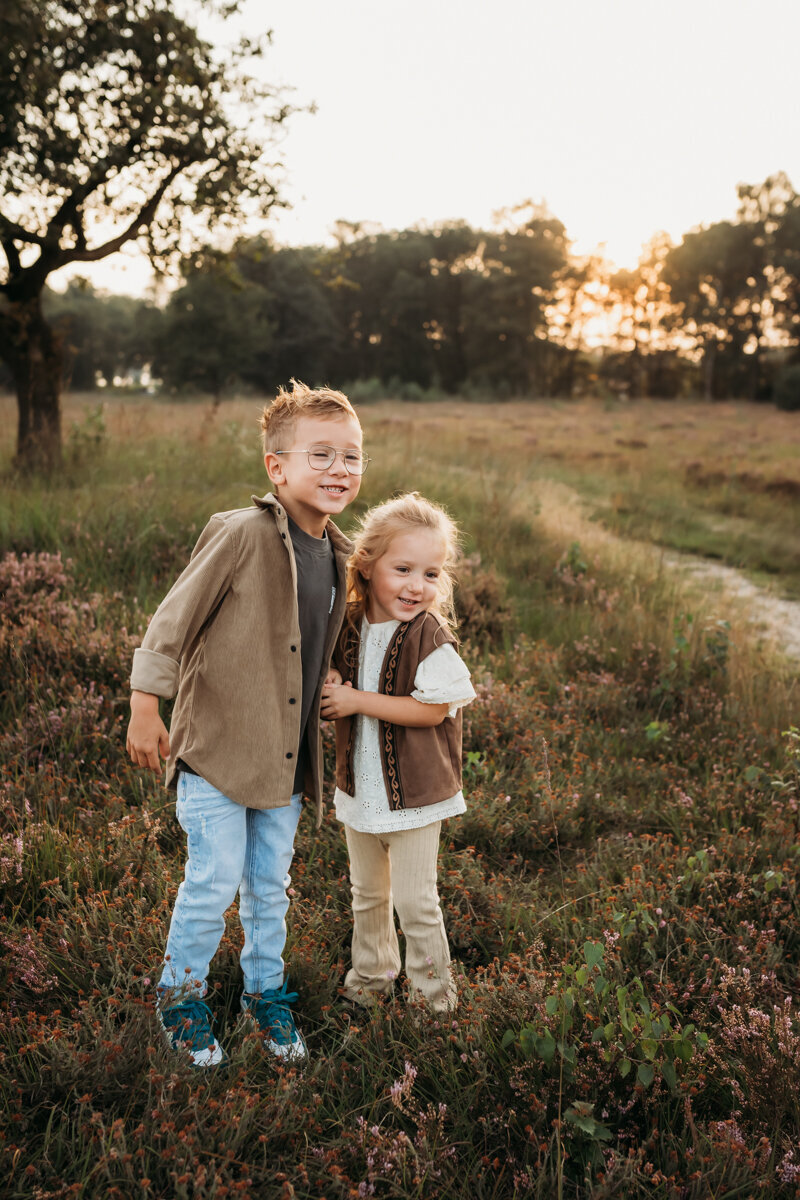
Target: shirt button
(292, 700)
(283, 535)
(293, 648)
(289, 754)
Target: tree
(449, 304)
(380, 287)
(510, 289)
(101, 336)
(257, 316)
(716, 278)
(786, 264)
(642, 318)
(772, 210)
(296, 307)
(736, 290)
(213, 328)
(579, 300)
(120, 123)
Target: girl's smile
(404, 581)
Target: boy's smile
(310, 495)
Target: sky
(624, 117)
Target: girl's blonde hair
(378, 528)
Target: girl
(398, 742)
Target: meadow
(621, 896)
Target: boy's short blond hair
(278, 420)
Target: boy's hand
(333, 677)
(338, 700)
(147, 733)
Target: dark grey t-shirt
(316, 592)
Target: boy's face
(311, 496)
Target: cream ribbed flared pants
(398, 870)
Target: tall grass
(621, 896)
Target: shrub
(786, 391)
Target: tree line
(454, 309)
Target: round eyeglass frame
(334, 452)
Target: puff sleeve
(443, 678)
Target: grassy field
(621, 897)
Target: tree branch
(69, 211)
(10, 229)
(142, 218)
(12, 256)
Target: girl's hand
(333, 677)
(338, 700)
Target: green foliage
(88, 438)
(784, 783)
(588, 1017)
(697, 650)
(574, 561)
(103, 337)
(416, 310)
(122, 118)
(787, 389)
(213, 330)
(135, 92)
(365, 391)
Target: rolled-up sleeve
(154, 672)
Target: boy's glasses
(322, 457)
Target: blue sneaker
(271, 1015)
(187, 1028)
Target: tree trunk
(709, 362)
(33, 352)
(452, 364)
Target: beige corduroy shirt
(226, 639)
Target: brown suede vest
(420, 765)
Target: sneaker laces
(271, 1010)
(191, 1022)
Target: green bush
(787, 389)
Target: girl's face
(403, 582)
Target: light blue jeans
(230, 849)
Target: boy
(244, 638)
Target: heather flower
(11, 853)
(26, 963)
(788, 1170)
(401, 1089)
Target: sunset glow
(608, 114)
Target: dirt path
(563, 513)
(778, 619)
